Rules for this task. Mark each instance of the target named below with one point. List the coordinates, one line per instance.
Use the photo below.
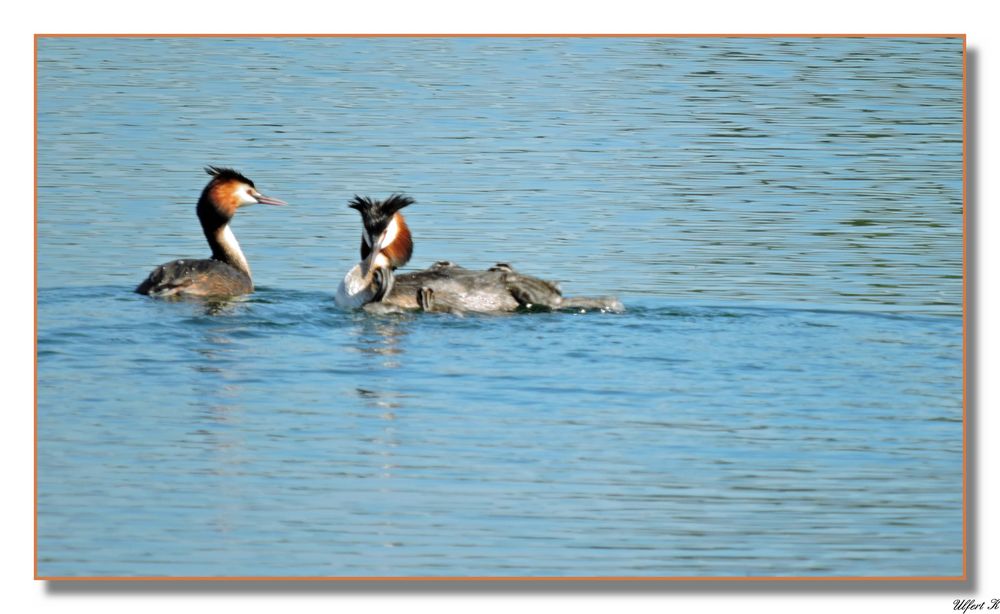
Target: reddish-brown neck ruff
(224, 196)
(400, 248)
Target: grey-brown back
(207, 278)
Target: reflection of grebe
(227, 272)
(444, 286)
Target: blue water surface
(782, 397)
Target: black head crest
(376, 214)
(224, 174)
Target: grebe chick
(227, 272)
(385, 245)
(449, 288)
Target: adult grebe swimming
(226, 273)
(445, 286)
(386, 244)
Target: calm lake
(781, 217)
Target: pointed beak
(377, 245)
(267, 200)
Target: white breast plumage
(354, 291)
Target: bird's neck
(225, 247)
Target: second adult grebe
(385, 245)
(227, 272)
(383, 221)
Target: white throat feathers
(232, 249)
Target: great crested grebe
(445, 286)
(384, 217)
(226, 273)
(386, 244)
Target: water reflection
(381, 338)
(207, 306)
(217, 385)
(218, 307)
(383, 445)
(380, 400)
